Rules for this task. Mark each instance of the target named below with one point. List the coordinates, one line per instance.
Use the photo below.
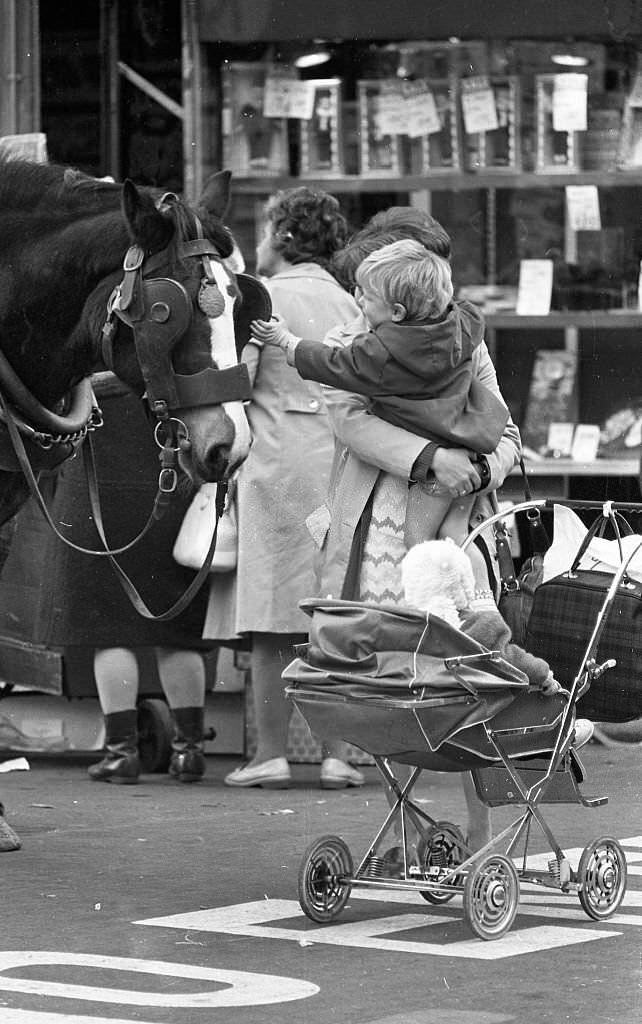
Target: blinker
(160, 312)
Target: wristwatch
(483, 469)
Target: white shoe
(272, 774)
(336, 774)
(583, 732)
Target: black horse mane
(25, 186)
(55, 195)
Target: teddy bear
(437, 577)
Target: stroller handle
(550, 503)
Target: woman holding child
(359, 529)
(362, 541)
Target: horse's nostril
(217, 462)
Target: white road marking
(242, 988)
(14, 1016)
(257, 920)
(253, 920)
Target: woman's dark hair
(391, 225)
(307, 226)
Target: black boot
(120, 764)
(188, 761)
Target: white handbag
(195, 534)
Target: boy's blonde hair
(407, 273)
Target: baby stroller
(418, 692)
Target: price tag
(389, 113)
(583, 208)
(570, 102)
(635, 99)
(421, 116)
(586, 441)
(478, 105)
(288, 97)
(535, 287)
(560, 439)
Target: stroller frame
(432, 856)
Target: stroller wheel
(491, 895)
(440, 849)
(323, 889)
(602, 876)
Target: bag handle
(540, 541)
(597, 528)
(505, 562)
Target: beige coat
(367, 446)
(286, 474)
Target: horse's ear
(147, 226)
(216, 194)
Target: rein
(166, 488)
(51, 437)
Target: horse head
(96, 275)
(178, 298)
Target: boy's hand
(271, 332)
(550, 685)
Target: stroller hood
(395, 663)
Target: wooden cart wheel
(602, 876)
(491, 896)
(442, 846)
(155, 732)
(324, 879)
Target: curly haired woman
(284, 479)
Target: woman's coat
(286, 476)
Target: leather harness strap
(134, 596)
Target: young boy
(415, 364)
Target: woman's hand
(455, 470)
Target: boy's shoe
(336, 774)
(583, 732)
(272, 774)
(619, 734)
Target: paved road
(170, 904)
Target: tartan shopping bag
(564, 613)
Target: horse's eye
(210, 300)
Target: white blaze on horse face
(235, 261)
(222, 343)
(223, 348)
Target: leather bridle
(158, 311)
